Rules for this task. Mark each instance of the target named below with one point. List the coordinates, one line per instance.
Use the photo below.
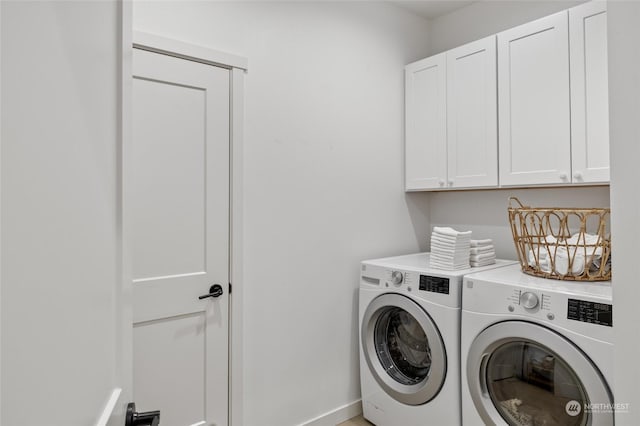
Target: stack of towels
(482, 253)
(450, 248)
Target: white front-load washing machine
(410, 341)
(536, 351)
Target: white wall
(59, 210)
(624, 104)
(323, 181)
(485, 212)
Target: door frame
(237, 66)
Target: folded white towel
(484, 263)
(443, 259)
(445, 250)
(480, 250)
(587, 239)
(449, 250)
(481, 257)
(456, 263)
(436, 239)
(448, 267)
(445, 230)
(480, 243)
(461, 244)
(489, 259)
(450, 259)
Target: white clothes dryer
(536, 351)
(410, 341)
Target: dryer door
(403, 349)
(520, 373)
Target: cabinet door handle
(441, 182)
(577, 175)
(563, 176)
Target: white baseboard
(339, 415)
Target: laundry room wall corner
(624, 96)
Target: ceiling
(432, 9)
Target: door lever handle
(148, 418)
(214, 291)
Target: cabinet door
(589, 92)
(472, 122)
(425, 133)
(533, 103)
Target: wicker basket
(562, 243)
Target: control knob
(396, 277)
(529, 300)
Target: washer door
(403, 349)
(521, 373)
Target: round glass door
(531, 385)
(520, 373)
(403, 349)
(402, 346)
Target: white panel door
(533, 103)
(426, 125)
(472, 122)
(180, 227)
(589, 92)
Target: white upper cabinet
(534, 103)
(526, 107)
(472, 129)
(589, 92)
(451, 113)
(426, 126)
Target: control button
(386, 284)
(396, 277)
(529, 300)
(408, 288)
(511, 308)
(550, 316)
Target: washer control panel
(396, 278)
(434, 284)
(414, 282)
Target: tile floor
(356, 421)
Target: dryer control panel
(561, 304)
(590, 312)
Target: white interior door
(180, 238)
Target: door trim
(192, 52)
(237, 66)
